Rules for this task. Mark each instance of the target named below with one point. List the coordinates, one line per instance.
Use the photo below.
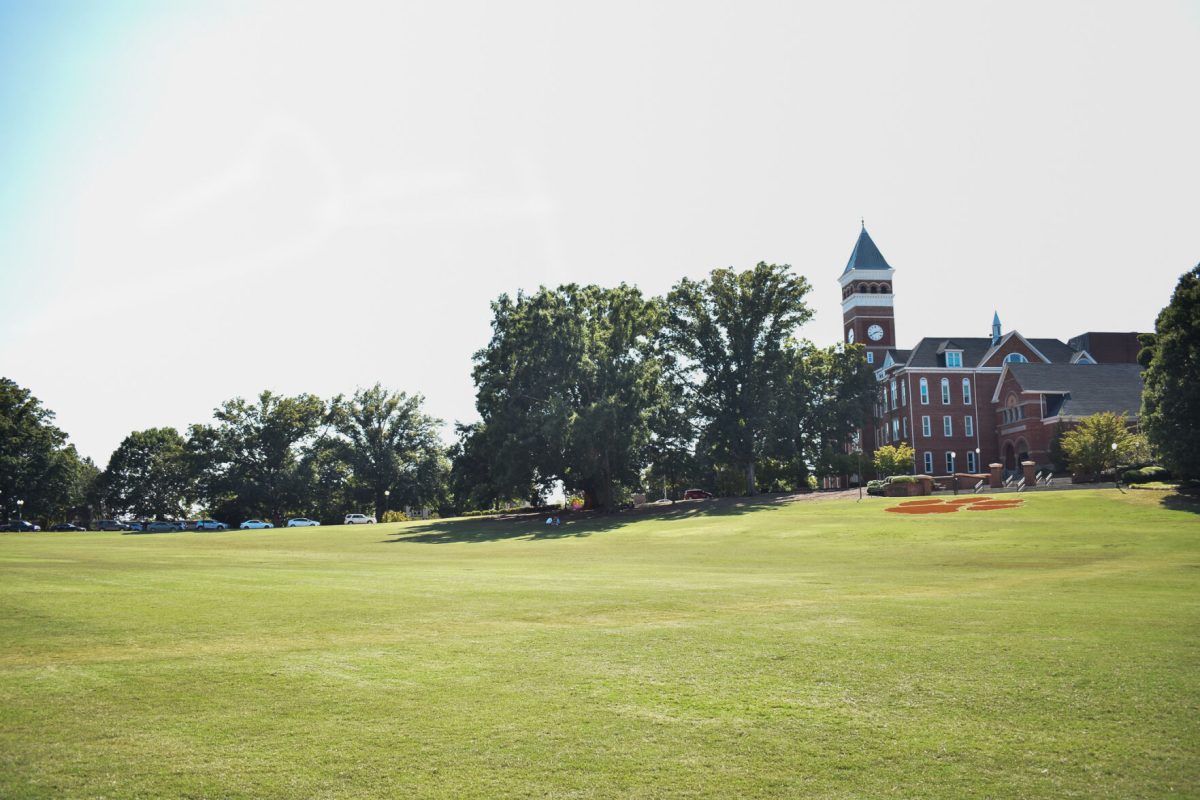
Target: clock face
(850, 336)
(875, 332)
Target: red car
(696, 494)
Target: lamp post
(387, 501)
(860, 474)
(1116, 470)
(977, 464)
(954, 471)
(19, 504)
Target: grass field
(813, 649)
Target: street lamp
(387, 503)
(19, 504)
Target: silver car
(302, 522)
(358, 519)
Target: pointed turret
(995, 327)
(865, 254)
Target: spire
(865, 254)
(995, 327)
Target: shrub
(904, 479)
(894, 459)
(1146, 475)
(394, 516)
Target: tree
(566, 389)
(251, 463)
(730, 332)
(391, 445)
(1089, 445)
(894, 459)
(36, 463)
(148, 475)
(1171, 401)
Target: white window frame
(950, 470)
(926, 427)
(947, 426)
(966, 391)
(896, 430)
(928, 463)
(945, 391)
(924, 391)
(904, 424)
(870, 357)
(1015, 358)
(954, 359)
(893, 395)
(903, 394)
(969, 425)
(972, 467)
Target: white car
(358, 519)
(302, 522)
(252, 524)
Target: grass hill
(815, 649)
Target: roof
(1080, 390)
(931, 351)
(865, 254)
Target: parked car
(358, 519)
(112, 525)
(302, 522)
(190, 525)
(210, 525)
(162, 527)
(67, 526)
(21, 526)
(255, 524)
(696, 494)
(137, 526)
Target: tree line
(600, 390)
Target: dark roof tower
(865, 254)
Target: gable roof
(931, 351)
(1080, 390)
(865, 254)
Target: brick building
(963, 402)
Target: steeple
(995, 327)
(865, 254)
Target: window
(947, 425)
(950, 463)
(928, 463)
(906, 428)
(1016, 358)
(896, 430)
(971, 466)
(903, 394)
(870, 357)
(893, 395)
(945, 391)
(887, 434)
(953, 359)
(926, 430)
(885, 396)
(969, 426)
(924, 392)
(966, 391)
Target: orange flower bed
(939, 506)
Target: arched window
(967, 391)
(884, 289)
(945, 391)
(924, 392)
(1016, 358)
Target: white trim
(927, 426)
(846, 278)
(1078, 357)
(866, 300)
(947, 426)
(928, 462)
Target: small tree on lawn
(894, 459)
(1089, 446)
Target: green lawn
(815, 649)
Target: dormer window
(954, 358)
(1015, 358)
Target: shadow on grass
(1182, 501)
(576, 524)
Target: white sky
(205, 203)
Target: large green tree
(731, 332)
(392, 446)
(252, 462)
(1171, 401)
(148, 475)
(567, 387)
(36, 463)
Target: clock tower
(868, 317)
